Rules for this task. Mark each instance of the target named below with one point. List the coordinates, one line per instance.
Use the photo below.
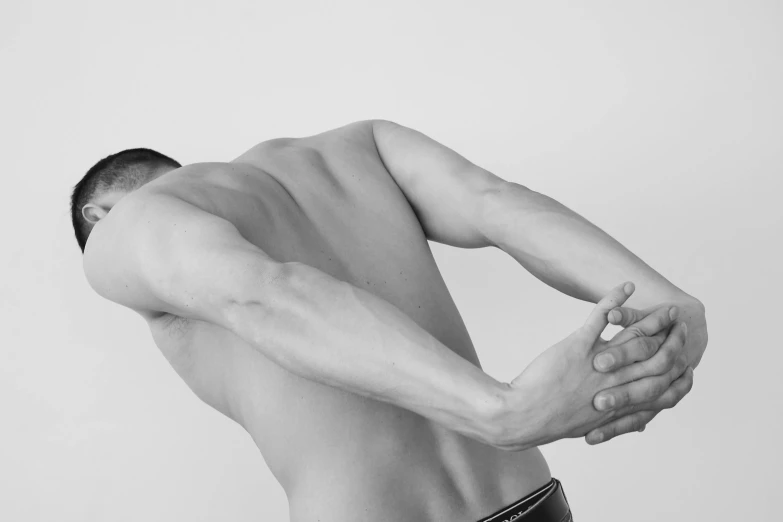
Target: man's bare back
(328, 201)
(279, 284)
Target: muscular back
(329, 201)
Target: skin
(335, 453)
(562, 378)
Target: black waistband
(546, 504)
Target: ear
(93, 213)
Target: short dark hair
(124, 171)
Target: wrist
(509, 418)
(489, 408)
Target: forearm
(567, 252)
(334, 333)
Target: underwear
(546, 504)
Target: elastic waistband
(546, 504)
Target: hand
(553, 397)
(690, 311)
(639, 323)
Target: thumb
(599, 317)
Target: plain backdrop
(660, 122)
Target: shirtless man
(293, 289)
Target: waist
(423, 478)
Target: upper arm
(163, 254)
(447, 192)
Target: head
(108, 181)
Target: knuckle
(637, 349)
(635, 331)
(660, 390)
(670, 356)
(650, 346)
(662, 320)
(681, 364)
(683, 332)
(623, 398)
(660, 365)
(654, 391)
(612, 379)
(629, 316)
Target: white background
(661, 122)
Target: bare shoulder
(108, 261)
(161, 254)
(357, 133)
(356, 130)
(121, 257)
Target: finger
(637, 349)
(597, 321)
(627, 424)
(678, 389)
(655, 321)
(670, 357)
(676, 392)
(634, 393)
(627, 419)
(626, 316)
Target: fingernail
(617, 315)
(605, 402)
(604, 361)
(673, 313)
(690, 371)
(628, 288)
(684, 328)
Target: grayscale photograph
(431, 261)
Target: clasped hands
(567, 392)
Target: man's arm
(567, 252)
(447, 192)
(461, 204)
(159, 253)
(570, 254)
